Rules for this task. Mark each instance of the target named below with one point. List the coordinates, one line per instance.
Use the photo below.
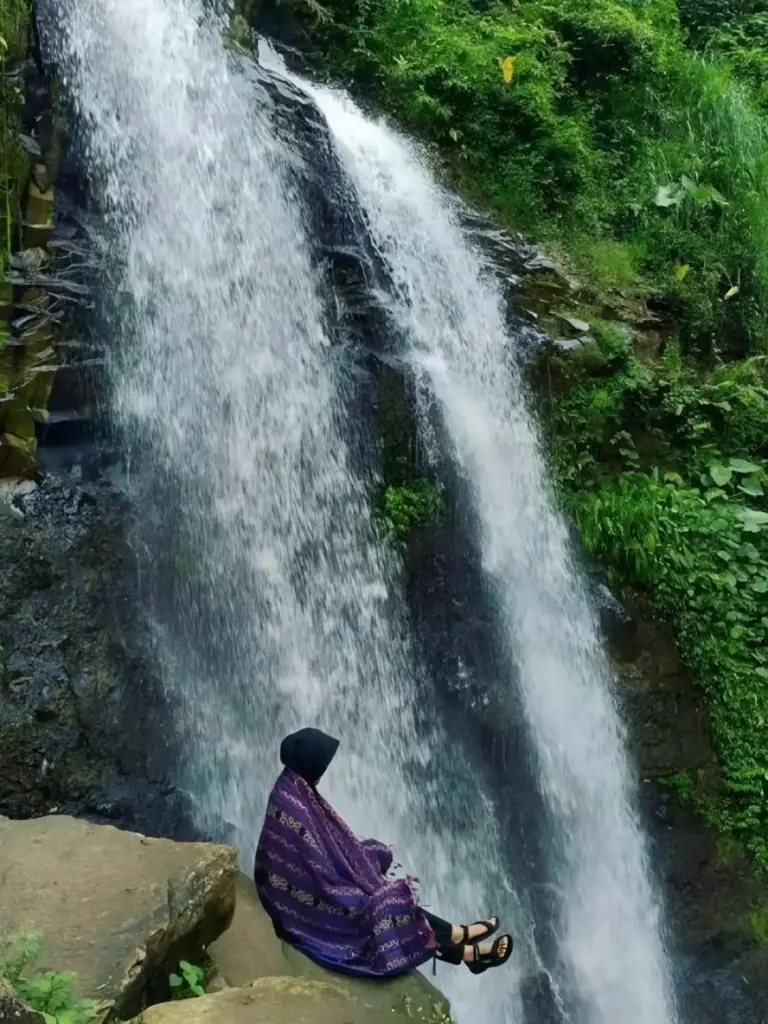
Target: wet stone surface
(81, 711)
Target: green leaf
(752, 520)
(720, 474)
(667, 195)
(760, 586)
(175, 981)
(742, 466)
(681, 271)
(751, 485)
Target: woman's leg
(447, 933)
(452, 951)
(449, 951)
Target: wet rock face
(709, 887)
(81, 716)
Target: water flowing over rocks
(82, 715)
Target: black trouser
(449, 951)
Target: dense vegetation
(660, 463)
(630, 137)
(592, 126)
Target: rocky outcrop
(113, 906)
(714, 899)
(249, 952)
(41, 369)
(277, 1000)
(120, 910)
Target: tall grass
(716, 136)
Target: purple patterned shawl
(327, 891)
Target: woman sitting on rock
(328, 893)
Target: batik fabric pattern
(329, 894)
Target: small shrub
(189, 982)
(51, 993)
(408, 507)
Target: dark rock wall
(82, 722)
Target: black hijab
(308, 752)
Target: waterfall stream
(609, 933)
(272, 593)
(231, 406)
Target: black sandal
(482, 961)
(491, 926)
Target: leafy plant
(50, 993)
(189, 983)
(661, 465)
(410, 506)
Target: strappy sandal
(491, 926)
(482, 961)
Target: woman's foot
(471, 933)
(488, 954)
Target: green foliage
(680, 785)
(758, 920)
(661, 466)
(189, 983)
(49, 992)
(410, 506)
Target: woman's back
(327, 891)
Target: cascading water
(614, 967)
(272, 598)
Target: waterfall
(609, 933)
(270, 590)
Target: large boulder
(115, 907)
(277, 1001)
(250, 951)
(13, 1010)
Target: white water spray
(233, 410)
(610, 929)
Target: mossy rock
(250, 950)
(275, 1001)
